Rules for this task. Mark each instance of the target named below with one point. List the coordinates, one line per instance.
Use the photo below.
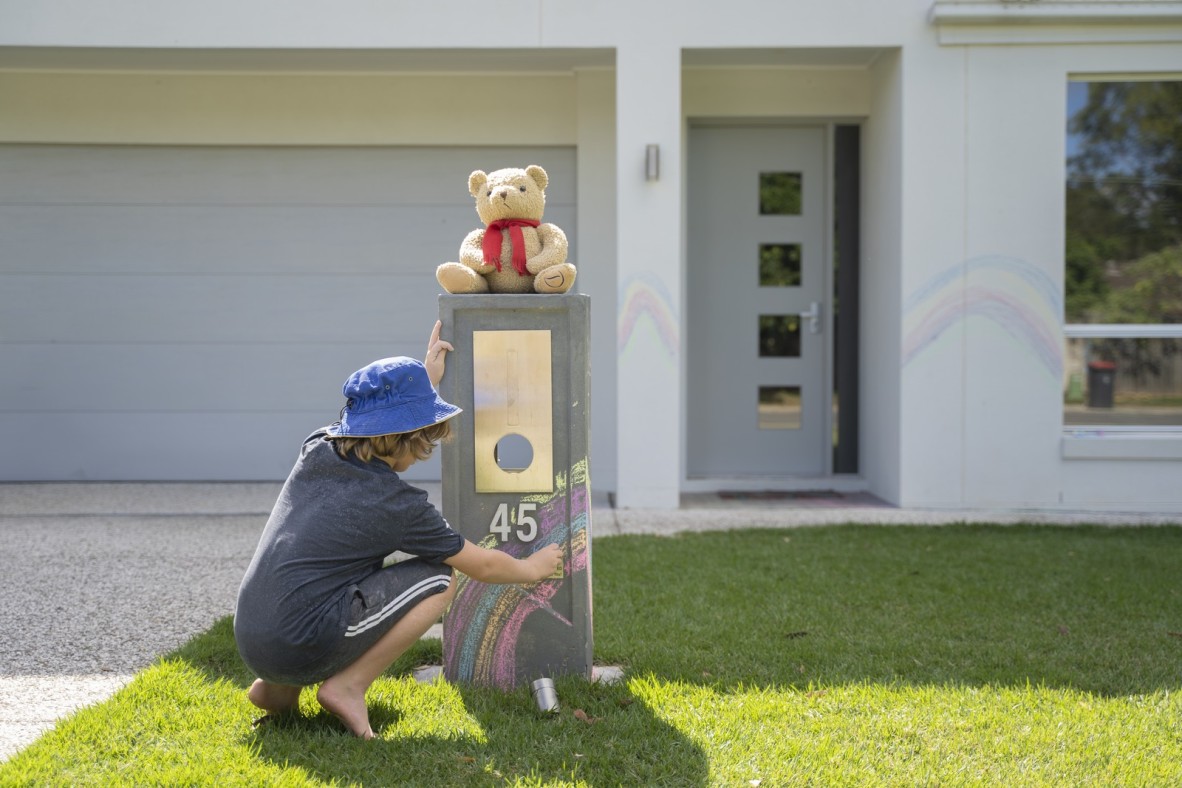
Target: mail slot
(515, 478)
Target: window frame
(1114, 441)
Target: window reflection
(779, 193)
(779, 265)
(1124, 203)
(1123, 381)
(779, 336)
(779, 407)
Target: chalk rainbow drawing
(646, 298)
(481, 629)
(1011, 293)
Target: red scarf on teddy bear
(493, 237)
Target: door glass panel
(779, 407)
(779, 265)
(779, 193)
(779, 336)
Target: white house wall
(328, 108)
(461, 24)
(881, 287)
(932, 376)
(650, 367)
(784, 92)
(273, 24)
(596, 205)
(1011, 285)
(1011, 281)
(166, 107)
(962, 180)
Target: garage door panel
(199, 446)
(97, 239)
(168, 447)
(201, 295)
(254, 176)
(213, 239)
(164, 378)
(158, 446)
(304, 308)
(120, 239)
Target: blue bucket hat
(390, 396)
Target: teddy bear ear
(476, 182)
(538, 174)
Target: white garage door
(191, 313)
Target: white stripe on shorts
(442, 581)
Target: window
(1123, 355)
(779, 265)
(779, 193)
(779, 336)
(779, 407)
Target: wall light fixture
(652, 162)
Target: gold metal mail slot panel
(511, 377)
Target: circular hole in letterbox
(513, 453)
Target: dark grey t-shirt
(334, 522)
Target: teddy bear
(515, 252)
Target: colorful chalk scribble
(645, 299)
(1013, 294)
(480, 633)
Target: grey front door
(758, 401)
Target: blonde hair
(392, 448)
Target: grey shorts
(377, 603)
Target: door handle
(814, 317)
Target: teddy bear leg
(460, 279)
(555, 279)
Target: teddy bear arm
(472, 253)
(554, 249)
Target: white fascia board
(1033, 22)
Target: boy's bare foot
(274, 698)
(349, 707)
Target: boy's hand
(546, 561)
(436, 359)
(494, 566)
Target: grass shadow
(438, 734)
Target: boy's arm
(436, 359)
(493, 566)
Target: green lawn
(960, 655)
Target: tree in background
(1124, 204)
(1154, 290)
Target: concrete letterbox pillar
(515, 479)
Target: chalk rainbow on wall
(1013, 294)
(645, 298)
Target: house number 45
(527, 527)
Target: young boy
(316, 606)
